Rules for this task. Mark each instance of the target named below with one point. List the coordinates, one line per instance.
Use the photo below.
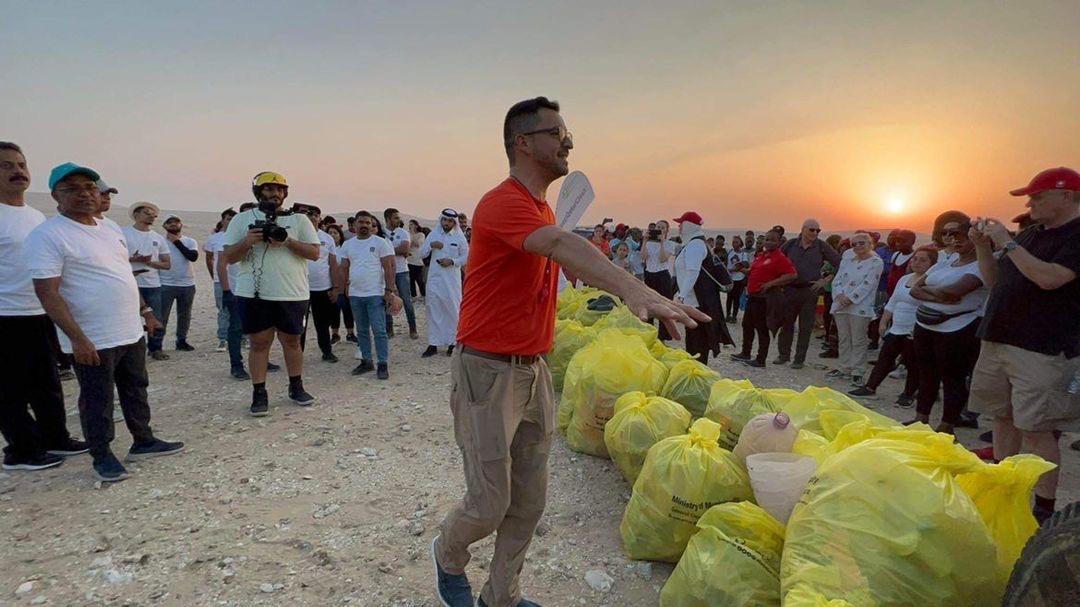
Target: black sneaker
(260, 405)
(450, 351)
(757, 364)
(334, 339)
(157, 448)
(740, 356)
(108, 469)
(829, 354)
(862, 391)
(797, 365)
(69, 448)
(363, 367)
(350, 337)
(904, 401)
(329, 357)
(781, 361)
(40, 461)
(382, 372)
(239, 373)
(159, 355)
(968, 420)
(271, 367)
(299, 395)
(431, 351)
(987, 437)
(184, 346)
(454, 590)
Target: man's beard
(173, 230)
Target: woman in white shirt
(658, 253)
(738, 264)
(416, 263)
(898, 320)
(853, 292)
(951, 297)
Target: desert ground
(336, 504)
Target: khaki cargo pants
(504, 417)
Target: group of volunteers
(988, 316)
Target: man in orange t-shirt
(501, 393)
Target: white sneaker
(899, 373)
(221, 346)
(357, 354)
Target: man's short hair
(247, 205)
(360, 214)
(388, 212)
(229, 212)
(350, 219)
(523, 117)
(7, 145)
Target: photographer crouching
(272, 248)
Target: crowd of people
(986, 316)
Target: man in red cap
(1031, 329)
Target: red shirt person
(501, 393)
(770, 269)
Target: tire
(1048, 571)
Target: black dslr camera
(654, 234)
(271, 231)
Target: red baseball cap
(690, 216)
(1061, 178)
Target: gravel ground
(332, 505)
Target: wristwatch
(1009, 247)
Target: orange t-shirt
(508, 303)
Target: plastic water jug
(778, 480)
(766, 433)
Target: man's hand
(996, 232)
(277, 244)
(333, 294)
(254, 235)
(436, 245)
(646, 303)
(136, 258)
(446, 263)
(152, 323)
(842, 301)
(85, 352)
(817, 285)
(172, 237)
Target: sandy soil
(332, 505)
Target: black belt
(514, 359)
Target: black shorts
(258, 315)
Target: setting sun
(895, 205)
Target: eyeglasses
(74, 189)
(952, 233)
(558, 132)
(815, 230)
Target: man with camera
(271, 248)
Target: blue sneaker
(108, 469)
(454, 590)
(156, 448)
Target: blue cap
(68, 169)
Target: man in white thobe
(449, 251)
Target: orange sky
(752, 115)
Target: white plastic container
(778, 480)
(766, 433)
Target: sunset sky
(874, 114)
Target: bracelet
(144, 310)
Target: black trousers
(945, 359)
(416, 281)
(122, 368)
(323, 310)
(29, 381)
(893, 346)
(346, 314)
(733, 297)
(755, 321)
(661, 283)
(802, 302)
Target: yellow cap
(269, 177)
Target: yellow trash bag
(689, 384)
(566, 306)
(612, 365)
(732, 561)
(843, 429)
(1002, 493)
(736, 407)
(622, 318)
(805, 408)
(640, 422)
(884, 523)
(682, 477)
(570, 336)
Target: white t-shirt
(902, 307)
(145, 243)
(17, 297)
(215, 244)
(282, 274)
(414, 258)
(318, 271)
(365, 264)
(968, 308)
(95, 279)
(180, 273)
(398, 236)
(653, 263)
